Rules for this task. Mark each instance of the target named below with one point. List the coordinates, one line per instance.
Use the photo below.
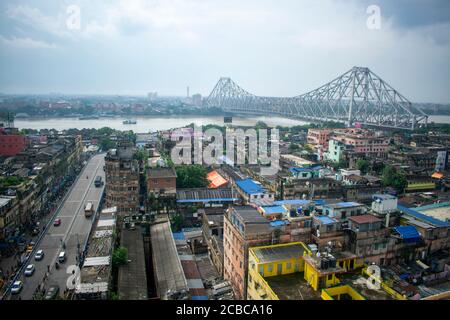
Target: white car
(39, 255)
(16, 287)
(29, 270)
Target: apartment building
(122, 178)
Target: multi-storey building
(244, 227)
(11, 142)
(122, 178)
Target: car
(39, 255)
(17, 287)
(62, 257)
(51, 293)
(29, 270)
(57, 222)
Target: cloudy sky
(273, 48)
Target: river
(150, 124)
(145, 124)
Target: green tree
(120, 256)
(191, 176)
(106, 144)
(394, 178)
(177, 222)
(362, 165)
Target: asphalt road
(74, 230)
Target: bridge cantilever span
(357, 96)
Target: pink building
(363, 141)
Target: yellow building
(344, 292)
(291, 272)
(270, 262)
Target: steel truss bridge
(357, 96)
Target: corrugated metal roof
(407, 232)
(249, 186)
(423, 217)
(273, 210)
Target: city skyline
(271, 49)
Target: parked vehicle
(51, 293)
(17, 287)
(57, 222)
(39, 255)
(88, 210)
(29, 270)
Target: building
(11, 142)
(212, 227)
(162, 182)
(122, 179)
(244, 227)
(253, 192)
(336, 151)
(95, 273)
(216, 180)
(343, 210)
(384, 203)
(319, 137)
(267, 268)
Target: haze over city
(270, 48)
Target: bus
(88, 209)
(98, 182)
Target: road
(73, 231)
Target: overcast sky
(272, 48)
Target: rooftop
(249, 186)
(340, 205)
(155, 173)
(366, 218)
(279, 252)
(132, 280)
(268, 210)
(292, 287)
(206, 195)
(166, 262)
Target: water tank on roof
(324, 263)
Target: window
(261, 270)
(288, 266)
(330, 277)
(269, 268)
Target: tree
(120, 257)
(362, 165)
(191, 176)
(106, 144)
(177, 223)
(394, 178)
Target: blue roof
(207, 200)
(305, 169)
(320, 202)
(273, 210)
(249, 186)
(433, 221)
(199, 297)
(408, 232)
(345, 204)
(325, 219)
(178, 236)
(278, 223)
(291, 202)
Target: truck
(88, 210)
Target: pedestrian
(48, 268)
